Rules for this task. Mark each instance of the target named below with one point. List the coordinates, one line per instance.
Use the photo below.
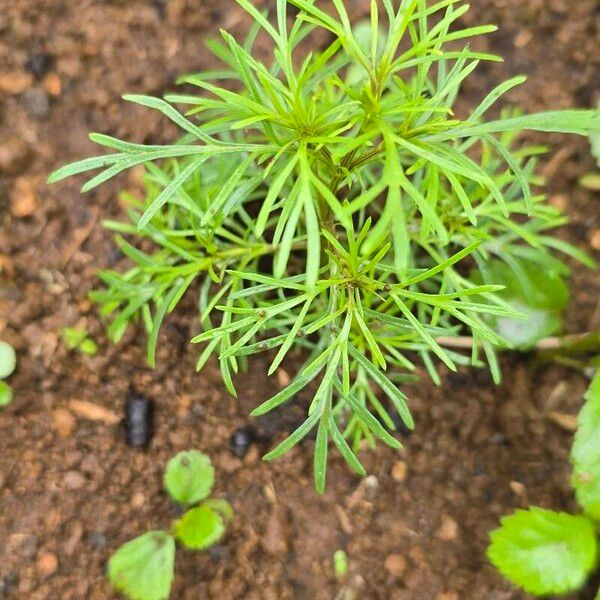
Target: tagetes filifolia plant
(332, 201)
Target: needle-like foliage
(332, 201)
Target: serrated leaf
(142, 569)
(189, 477)
(199, 528)
(8, 360)
(543, 551)
(585, 453)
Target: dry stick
(580, 342)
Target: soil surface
(71, 491)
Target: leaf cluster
(142, 568)
(547, 552)
(331, 201)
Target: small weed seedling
(8, 363)
(143, 568)
(547, 552)
(334, 204)
(77, 338)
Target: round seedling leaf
(543, 551)
(199, 528)
(142, 569)
(8, 360)
(6, 394)
(189, 477)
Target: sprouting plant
(340, 564)
(143, 568)
(8, 363)
(547, 552)
(77, 338)
(334, 204)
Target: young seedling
(547, 552)
(142, 569)
(77, 338)
(332, 205)
(8, 363)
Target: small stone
(97, 540)
(52, 85)
(517, 487)
(63, 422)
(137, 500)
(93, 412)
(523, 38)
(447, 596)
(38, 64)
(74, 480)
(47, 563)
(22, 544)
(399, 471)
(283, 378)
(15, 82)
(14, 155)
(23, 199)
(241, 440)
(73, 540)
(448, 530)
(36, 102)
(595, 239)
(395, 564)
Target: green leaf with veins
(543, 551)
(585, 453)
(142, 569)
(189, 477)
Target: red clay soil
(71, 491)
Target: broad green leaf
(543, 551)
(585, 453)
(6, 394)
(189, 477)
(142, 569)
(199, 528)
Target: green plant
(592, 180)
(143, 568)
(547, 552)
(340, 564)
(77, 338)
(334, 204)
(8, 363)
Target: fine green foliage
(543, 551)
(332, 202)
(77, 338)
(585, 453)
(8, 364)
(547, 552)
(189, 477)
(142, 569)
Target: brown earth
(71, 491)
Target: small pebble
(14, 156)
(137, 500)
(15, 82)
(395, 564)
(517, 487)
(73, 480)
(448, 530)
(447, 596)
(38, 64)
(97, 540)
(36, 102)
(64, 422)
(399, 471)
(23, 198)
(241, 440)
(47, 563)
